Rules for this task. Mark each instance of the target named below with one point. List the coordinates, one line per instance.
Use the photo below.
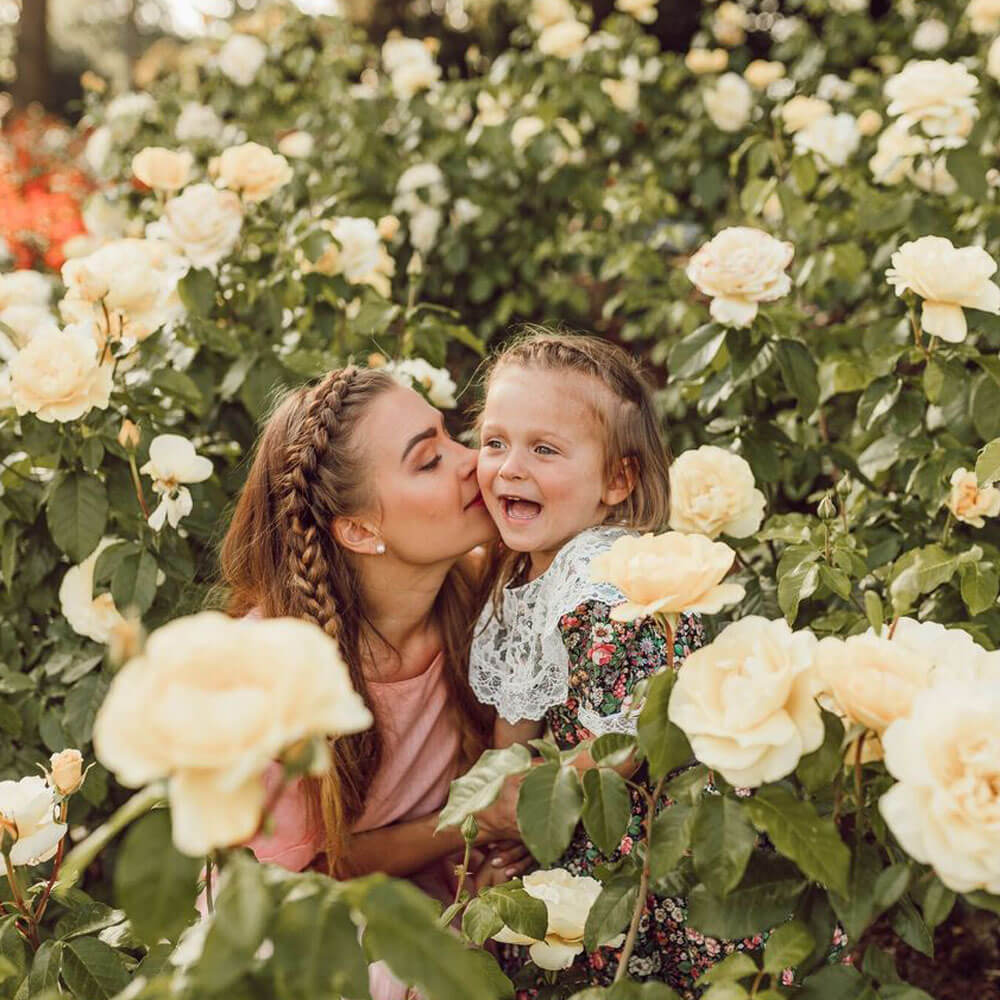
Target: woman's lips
(476, 501)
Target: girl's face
(428, 505)
(541, 459)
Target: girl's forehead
(548, 396)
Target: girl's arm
(506, 734)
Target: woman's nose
(467, 460)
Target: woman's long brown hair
(279, 557)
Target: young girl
(571, 458)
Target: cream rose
(935, 94)
(298, 145)
(24, 288)
(208, 666)
(58, 376)
(701, 61)
(357, 252)
(436, 382)
(801, 111)
(241, 58)
(894, 154)
(253, 170)
(729, 102)
(872, 680)
(94, 617)
(203, 223)
(66, 771)
(729, 24)
(945, 807)
(525, 129)
(563, 39)
(712, 493)
(969, 501)
(930, 36)
(410, 66)
(568, 899)
(951, 652)
(173, 462)
(667, 574)
(623, 94)
(761, 73)
(984, 16)
(738, 268)
(24, 323)
(948, 279)
(869, 122)
(832, 140)
(644, 11)
(993, 59)
(162, 169)
(198, 122)
(747, 701)
(137, 281)
(29, 805)
(548, 12)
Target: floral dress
(607, 659)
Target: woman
(358, 514)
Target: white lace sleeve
(519, 663)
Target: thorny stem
(858, 787)
(640, 903)
(137, 483)
(44, 901)
(917, 332)
(31, 934)
(892, 627)
(463, 871)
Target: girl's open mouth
(518, 509)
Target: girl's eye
(544, 449)
(431, 464)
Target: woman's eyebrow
(416, 439)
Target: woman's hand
(502, 862)
(499, 821)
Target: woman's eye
(492, 444)
(431, 464)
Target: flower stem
(858, 784)
(948, 525)
(463, 871)
(137, 483)
(209, 872)
(31, 934)
(54, 874)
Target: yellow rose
(801, 111)
(261, 685)
(869, 122)
(203, 223)
(624, 94)
(762, 72)
(66, 771)
(984, 16)
(667, 574)
(644, 11)
(729, 24)
(563, 39)
(253, 170)
(969, 501)
(701, 61)
(712, 492)
(162, 169)
(747, 701)
(94, 617)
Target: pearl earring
(380, 549)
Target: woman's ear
(621, 484)
(357, 536)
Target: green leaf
(92, 970)
(969, 170)
(606, 807)
(983, 900)
(788, 945)
(670, 837)
(481, 784)
(799, 833)
(919, 571)
(988, 463)
(798, 578)
(890, 884)
(316, 949)
(82, 703)
(613, 749)
(909, 925)
(77, 512)
(612, 910)
(798, 369)
(877, 400)
(665, 746)
(856, 908)
(727, 991)
(520, 911)
(548, 809)
(817, 769)
(874, 611)
(937, 903)
(89, 918)
(696, 351)
(155, 884)
(980, 584)
(44, 972)
(735, 966)
(13, 954)
(480, 921)
(627, 989)
(835, 982)
(903, 991)
(723, 840)
(133, 583)
(197, 291)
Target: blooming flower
(436, 382)
(202, 223)
(173, 461)
(935, 94)
(28, 814)
(729, 102)
(162, 169)
(94, 617)
(969, 501)
(713, 492)
(241, 58)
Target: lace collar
(518, 662)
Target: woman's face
(428, 507)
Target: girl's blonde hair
(279, 557)
(632, 435)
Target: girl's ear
(356, 536)
(622, 483)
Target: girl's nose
(511, 467)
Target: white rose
(424, 225)
(729, 102)
(993, 59)
(24, 322)
(563, 39)
(547, 12)
(872, 680)
(729, 24)
(739, 268)
(298, 145)
(933, 175)
(162, 169)
(831, 140)
(419, 183)
(832, 88)
(436, 382)
(525, 129)
(203, 224)
(984, 16)
(935, 94)
(208, 666)
(98, 149)
(94, 617)
(24, 288)
(945, 807)
(58, 376)
(701, 61)
(969, 501)
(464, 211)
(761, 73)
(124, 114)
(30, 805)
(849, 6)
(712, 493)
(952, 653)
(198, 121)
(894, 154)
(947, 279)
(241, 58)
(410, 66)
(253, 170)
(801, 111)
(869, 122)
(568, 900)
(747, 701)
(624, 94)
(137, 280)
(667, 574)
(359, 244)
(172, 462)
(930, 35)
(103, 218)
(644, 11)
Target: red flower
(601, 654)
